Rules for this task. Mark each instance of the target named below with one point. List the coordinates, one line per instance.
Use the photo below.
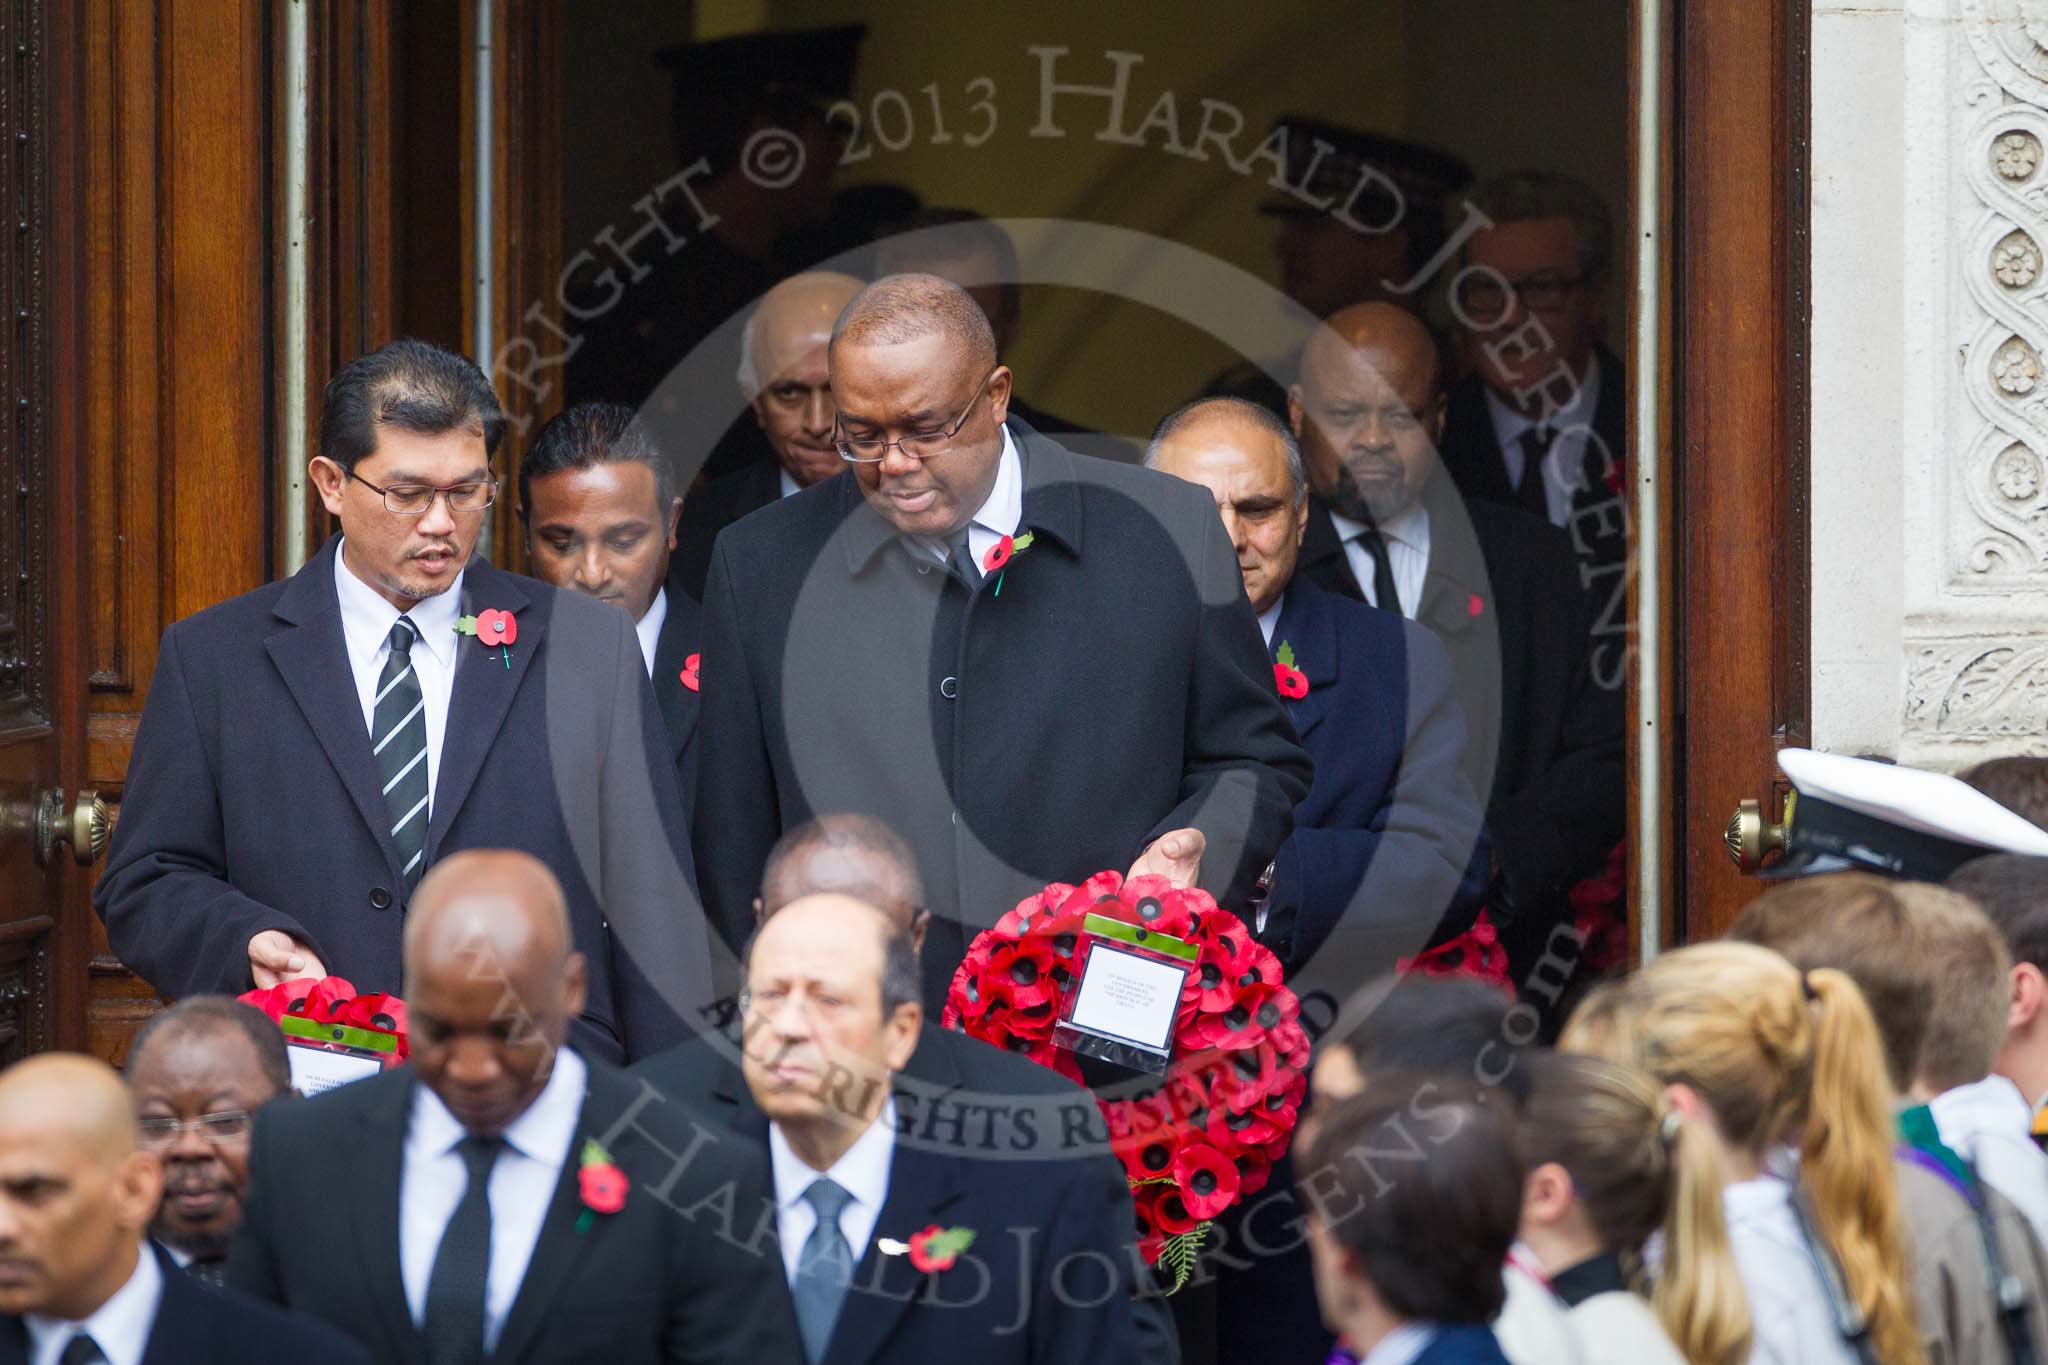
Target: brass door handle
(1751, 839)
(85, 828)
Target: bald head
(78, 1102)
(1368, 410)
(900, 308)
(792, 320)
(491, 983)
(500, 898)
(75, 1193)
(853, 855)
(1392, 340)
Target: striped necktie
(398, 731)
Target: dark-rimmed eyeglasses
(918, 445)
(1486, 296)
(413, 499)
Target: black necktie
(398, 739)
(207, 1272)
(1530, 491)
(82, 1349)
(454, 1325)
(960, 558)
(1385, 595)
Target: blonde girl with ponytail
(1784, 1072)
(1612, 1164)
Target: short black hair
(2019, 782)
(592, 434)
(1422, 1185)
(1452, 1028)
(412, 385)
(207, 1013)
(2012, 889)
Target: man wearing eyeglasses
(198, 1072)
(1540, 423)
(1021, 710)
(309, 749)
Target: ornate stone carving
(2015, 367)
(1977, 689)
(2016, 261)
(2016, 474)
(2016, 155)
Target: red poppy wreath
(331, 1000)
(1208, 1134)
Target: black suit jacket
(1112, 685)
(197, 1323)
(657, 1280)
(682, 634)
(253, 801)
(709, 510)
(1388, 847)
(1597, 523)
(989, 1142)
(1544, 739)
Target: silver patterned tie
(398, 738)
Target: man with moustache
(398, 702)
(199, 1071)
(784, 377)
(878, 643)
(463, 1223)
(832, 996)
(600, 507)
(79, 1282)
(1499, 587)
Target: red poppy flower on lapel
(1474, 605)
(690, 672)
(1292, 682)
(999, 553)
(602, 1184)
(1613, 476)
(495, 627)
(937, 1248)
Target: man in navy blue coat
(1383, 849)
(310, 748)
(1386, 852)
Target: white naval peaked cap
(1908, 822)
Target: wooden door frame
(1739, 382)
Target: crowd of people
(674, 851)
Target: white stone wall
(1929, 405)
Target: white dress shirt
(120, 1327)
(648, 627)
(863, 1172)
(366, 621)
(1565, 463)
(1270, 618)
(1406, 534)
(523, 1179)
(790, 486)
(1990, 1125)
(999, 515)
(1402, 1345)
(1788, 1308)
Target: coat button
(380, 899)
(950, 688)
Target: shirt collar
(790, 487)
(1992, 1105)
(120, 1326)
(1409, 527)
(543, 1132)
(366, 617)
(1509, 424)
(648, 627)
(1269, 619)
(862, 1170)
(1402, 1345)
(1004, 508)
